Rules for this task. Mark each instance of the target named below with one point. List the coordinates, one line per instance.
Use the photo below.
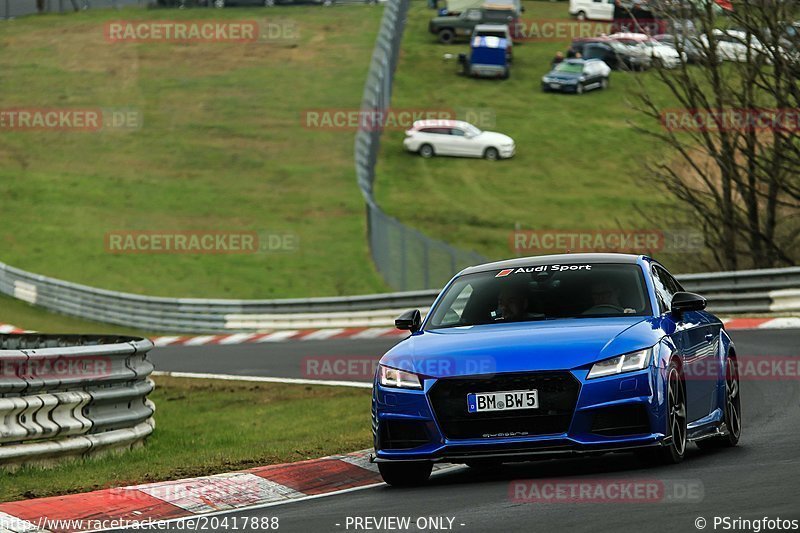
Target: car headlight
(392, 377)
(620, 364)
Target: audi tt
(555, 356)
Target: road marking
(263, 379)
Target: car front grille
(558, 395)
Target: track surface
(760, 478)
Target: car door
(603, 10)
(443, 141)
(590, 74)
(696, 345)
(462, 145)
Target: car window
(665, 290)
(542, 292)
(473, 14)
(456, 132)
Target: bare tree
(732, 127)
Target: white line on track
(262, 379)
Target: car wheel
(426, 151)
(506, 73)
(579, 89)
(491, 154)
(446, 36)
(405, 474)
(581, 15)
(604, 83)
(676, 417)
(733, 411)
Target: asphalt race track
(755, 480)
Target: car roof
(440, 123)
(491, 27)
(562, 259)
(632, 36)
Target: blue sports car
(555, 355)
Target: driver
(605, 294)
(513, 304)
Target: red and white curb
(171, 500)
(281, 336)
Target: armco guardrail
(72, 395)
(751, 291)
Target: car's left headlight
(620, 364)
(392, 377)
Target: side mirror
(686, 301)
(410, 320)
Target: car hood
(494, 137)
(540, 345)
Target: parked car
(689, 45)
(488, 58)
(266, 3)
(616, 55)
(591, 9)
(645, 46)
(456, 138)
(450, 28)
(495, 30)
(577, 76)
(555, 355)
(732, 45)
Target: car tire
(426, 151)
(406, 473)
(491, 154)
(604, 83)
(446, 36)
(581, 16)
(676, 417)
(579, 89)
(506, 73)
(733, 411)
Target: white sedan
(456, 138)
(647, 47)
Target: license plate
(481, 402)
(555, 86)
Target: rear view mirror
(686, 301)
(410, 320)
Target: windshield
(543, 292)
(575, 68)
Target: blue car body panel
(570, 346)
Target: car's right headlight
(392, 377)
(620, 364)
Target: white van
(592, 9)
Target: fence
(407, 259)
(72, 395)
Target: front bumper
(595, 398)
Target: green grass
(222, 148)
(263, 424)
(579, 163)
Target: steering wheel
(598, 309)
